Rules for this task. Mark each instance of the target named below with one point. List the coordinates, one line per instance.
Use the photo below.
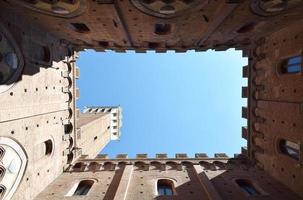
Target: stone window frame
(173, 181)
(43, 143)
(256, 186)
(75, 185)
(285, 154)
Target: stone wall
(275, 105)
(193, 178)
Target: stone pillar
(208, 187)
(124, 183)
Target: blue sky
(172, 102)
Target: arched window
(83, 187)
(292, 65)
(247, 187)
(165, 187)
(290, 149)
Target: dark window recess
(103, 44)
(247, 187)
(292, 65)
(48, 147)
(290, 149)
(165, 187)
(162, 29)
(83, 187)
(96, 137)
(80, 27)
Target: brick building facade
(44, 137)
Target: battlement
(159, 161)
(163, 156)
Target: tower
(97, 126)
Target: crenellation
(244, 132)
(245, 72)
(122, 156)
(141, 156)
(244, 112)
(220, 155)
(244, 92)
(181, 155)
(161, 155)
(102, 156)
(201, 155)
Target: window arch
(247, 187)
(292, 65)
(165, 187)
(83, 187)
(289, 148)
